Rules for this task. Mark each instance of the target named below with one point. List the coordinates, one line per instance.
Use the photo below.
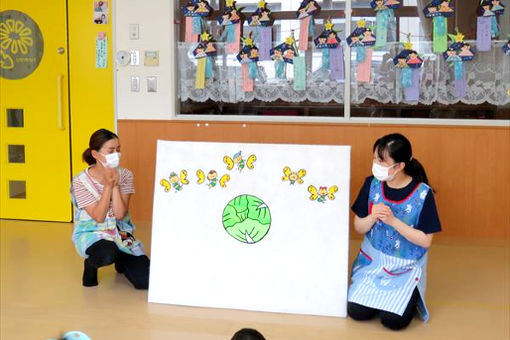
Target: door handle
(60, 113)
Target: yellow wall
(91, 88)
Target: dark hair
(96, 142)
(248, 334)
(399, 148)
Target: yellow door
(34, 125)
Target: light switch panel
(135, 57)
(134, 31)
(152, 85)
(135, 84)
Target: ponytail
(87, 157)
(414, 169)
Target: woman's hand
(111, 177)
(382, 212)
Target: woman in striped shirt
(103, 231)
(396, 212)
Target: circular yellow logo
(21, 45)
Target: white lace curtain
(488, 79)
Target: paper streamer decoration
(194, 12)
(261, 20)
(361, 40)
(384, 13)
(299, 73)
(101, 50)
(232, 21)
(332, 52)
(284, 54)
(487, 23)
(439, 10)
(305, 13)
(248, 58)
(204, 53)
(456, 55)
(409, 64)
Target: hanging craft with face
(305, 13)
(194, 12)
(248, 57)
(487, 26)
(506, 48)
(409, 63)
(439, 10)
(459, 52)
(204, 52)
(361, 39)
(332, 52)
(231, 20)
(261, 21)
(261, 16)
(284, 54)
(384, 14)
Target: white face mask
(112, 160)
(382, 173)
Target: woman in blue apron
(103, 231)
(396, 212)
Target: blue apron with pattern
(389, 267)
(87, 231)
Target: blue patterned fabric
(389, 267)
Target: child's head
(248, 334)
(74, 335)
(395, 151)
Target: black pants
(103, 253)
(390, 320)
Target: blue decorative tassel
(254, 72)
(231, 33)
(325, 58)
(311, 28)
(494, 27)
(458, 69)
(406, 77)
(197, 25)
(280, 69)
(360, 53)
(209, 67)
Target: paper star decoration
(459, 37)
(290, 40)
(248, 41)
(408, 45)
(329, 25)
(205, 36)
(361, 23)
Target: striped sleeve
(83, 197)
(126, 182)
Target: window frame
(347, 14)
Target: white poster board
(269, 233)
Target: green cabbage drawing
(247, 219)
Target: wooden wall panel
(469, 167)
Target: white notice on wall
(261, 227)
